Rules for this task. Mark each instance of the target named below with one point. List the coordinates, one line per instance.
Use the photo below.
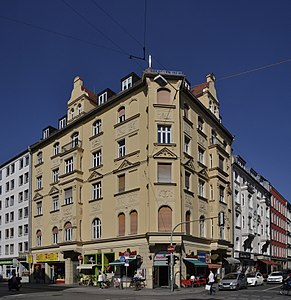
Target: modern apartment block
(14, 216)
(278, 228)
(123, 169)
(252, 202)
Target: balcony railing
(216, 141)
(72, 145)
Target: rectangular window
(20, 197)
(187, 180)
(12, 168)
(26, 160)
(25, 229)
(39, 208)
(97, 190)
(7, 218)
(7, 187)
(201, 191)
(25, 195)
(38, 182)
(221, 194)
(20, 248)
(12, 184)
(7, 202)
(121, 148)
(220, 162)
(97, 158)
(25, 246)
(20, 163)
(97, 127)
(12, 216)
(164, 173)
(20, 214)
(20, 231)
(68, 196)
(187, 141)
(20, 180)
(69, 165)
(12, 232)
(7, 171)
(6, 234)
(164, 134)
(201, 155)
(55, 203)
(11, 200)
(26, 178)
(25, 212)
(121, 183)
(11, 249)
(56, 173)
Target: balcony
(216, 141)
(75, 144)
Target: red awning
(214, 266)
(269, 262)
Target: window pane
(164, 173)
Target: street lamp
(220, 217)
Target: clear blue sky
(39, 60)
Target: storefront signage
(44, 257)
(130, 253)
(161, 259)
(245, 255)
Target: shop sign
(245, 255)
(44, 257)
(161, 259)
(201, 256)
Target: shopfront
(161, 272)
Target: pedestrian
(192, 280)
(211, 282)
(100, 280)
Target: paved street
(46, 292)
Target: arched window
(55, 235)
(133, 222)
(72, 113)
(121, 224)
(97, 127)
(79, 109)
(202, 226)
(68, 234)
(56, 148)
(165, 219)
(121, 114)
(163, 96)
(96, 229)
(187, 219)
(75, 139)
(38, 238)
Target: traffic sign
(171, 248)
(122, 258)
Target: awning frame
(195, 262)
(86, 266)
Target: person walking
(211, 281)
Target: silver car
(233, 281)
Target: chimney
(210, 77)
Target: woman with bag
(211, 282)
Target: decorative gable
(95, 175)
(37, 196)
(53, 190)
(165, 153)
(125, 165)
(204, 173)
(190, 165)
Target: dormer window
(121, 114)
(102, 98)
(62, 122)
(46, 133)
(126, 83)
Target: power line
(94, 27)
(116, 22)
(256, 69)
(59, 34)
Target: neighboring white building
(14, 215)
(251, 200)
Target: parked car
(233, 281)
(255, 278)
(275, 277)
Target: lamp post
(171, 243)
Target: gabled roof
(198, 89)
(91, 95)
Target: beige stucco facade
(187, 173)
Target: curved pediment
(165, 153)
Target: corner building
(121, 170)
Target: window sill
(66, 204)
(95, 168)
(188, 121)
(187, 191)
(95, 200)
(165, 144)
(203, 198)
(95, 136)
(126, 192)
(37, 216)
(53, 211)
(165, 183)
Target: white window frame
(96, 229)
(97, 127)
(164, 134)
(69, 165)
(97, 158)
(121, 148)
(56, 174)
(97, 190)
(126, 83)
(102, 98)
